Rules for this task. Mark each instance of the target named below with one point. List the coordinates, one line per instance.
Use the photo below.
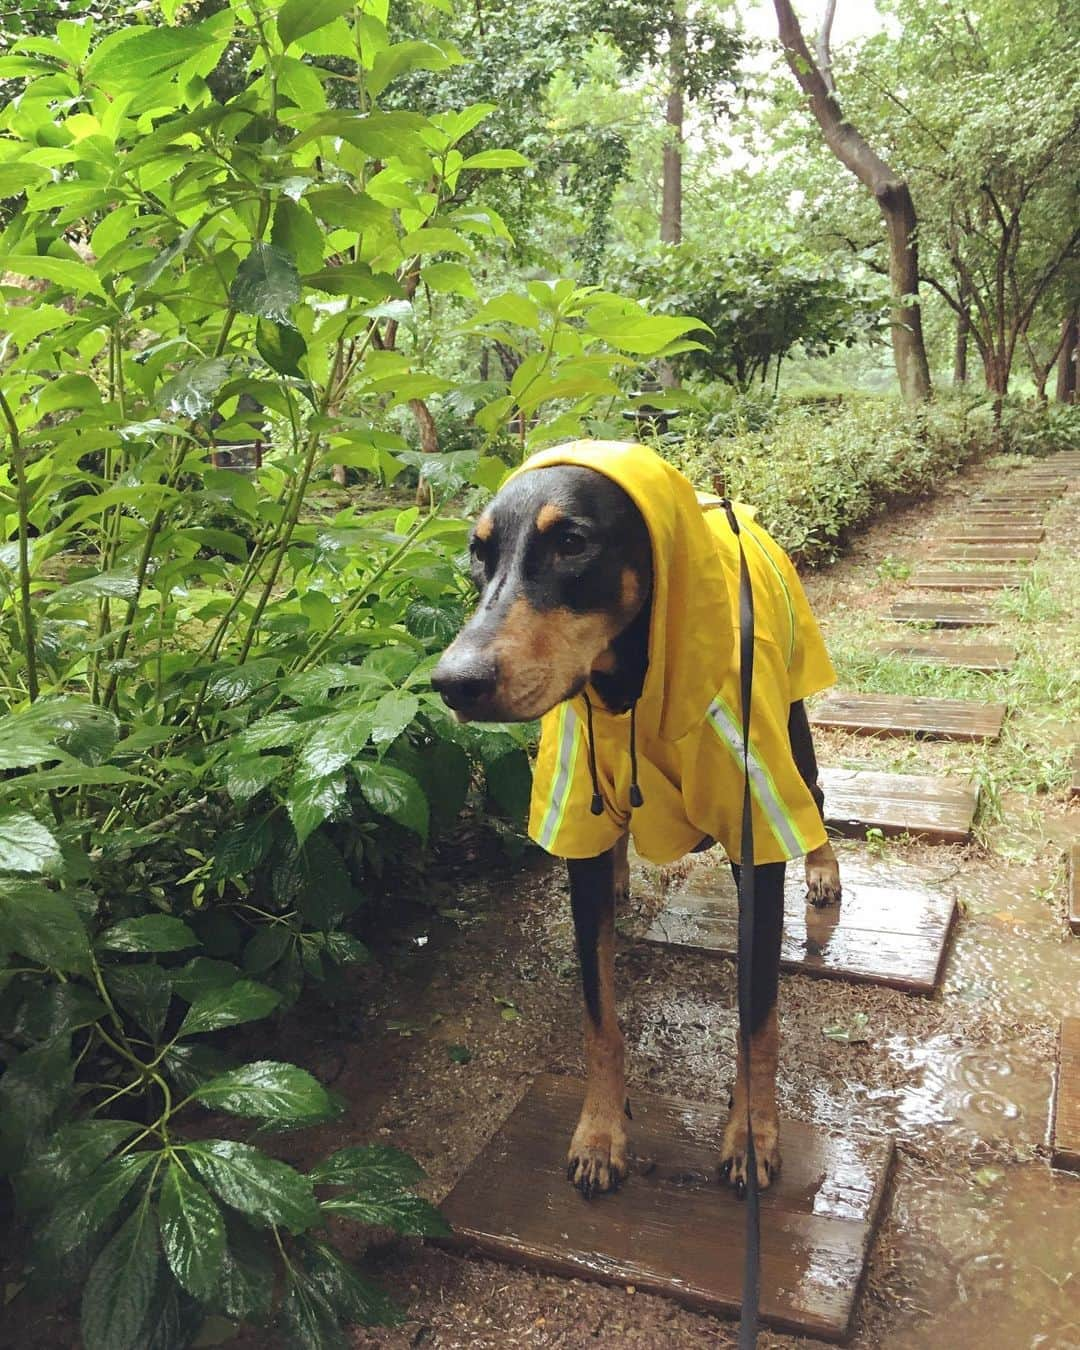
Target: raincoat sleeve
(560, 818)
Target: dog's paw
(733, 1160)
(597, 1160)
(822, 878)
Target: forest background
(287, 288)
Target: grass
(1033, 755)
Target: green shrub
(217, 735)
(816, 472)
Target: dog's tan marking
(631, 592)
(621, 851)
(764, 1057)
(597, 1159)
(548, 517)
(822, 876)
(542, 655)
(484, 527)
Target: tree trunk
(671, 209)
(1067, 358)
(890, 192)
(425, 425)
(960, 353)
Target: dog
(608, 607)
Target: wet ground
(981, 1245)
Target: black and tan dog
(608, 607)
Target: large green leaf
(337, 739)
(242, 848)
(127, 60)
(69, 1156)
(354, 1298)
(371, 1165)
(119, 1292)
(192, 1232)
(391, 1208)
(192, 390)
(249, 1181)
(148, 933)
(34, 1086)
(313, 800)
(43, 926)
(68, 273)
(247, 775)
(266, 283)
(53, 1009)
(244, 1001)
(269, 1091)
(26, 845)
(281, 347)
(393, 713)
(83, 1209)
(297, 18)
(248, 1270)
(392, 792)
(203, 975)
(145, 991)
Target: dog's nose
(464, 681)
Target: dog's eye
(569, 543)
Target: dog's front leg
(764, 1042)
(597, 1158)
(822, 868)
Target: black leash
(751, 1286)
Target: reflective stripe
(566, 758)
(764, 789)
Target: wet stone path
(980, 1244)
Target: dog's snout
(464, 681)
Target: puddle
(1008, 966)
(986, 1263)
(971, 1095)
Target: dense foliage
(219, 732)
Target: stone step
(947, 719)
(942, 613)
(889, 928)
(947, 652)
(965, 581)
(671, 1230)
(938, 810)
(1065, 1125)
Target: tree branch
(824, 55)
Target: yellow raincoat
(688, 718)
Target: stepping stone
(1002, 552)
(939, 810)
(983, 520)
(945, 652)
(942, 613)
(886, 930)
(1065, 1114)
(1074, 888)
(965, 581)
(996, 534)
(671, 1229)
(938, 719)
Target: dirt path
(979, 1248)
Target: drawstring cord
(596, 806)
(636, 799)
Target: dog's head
(563, 564)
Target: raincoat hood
(586, 790)
(692, 630)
